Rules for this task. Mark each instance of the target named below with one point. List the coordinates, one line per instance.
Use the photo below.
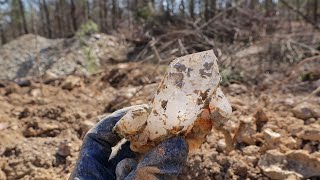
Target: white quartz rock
(133, 121)
(220, 109)
(190, 85)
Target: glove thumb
(124, 167)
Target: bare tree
(3, 36)
(305, 17)
(105, 17)
(73, 15)
(182, 8)
(23, 16)
(298, 6)
(47, 16)
(191, 8)
(61, 18)
(213, 7)
(58, 19)
(253, 4)
(269, 7)
(315, 11)
(206, 10)
(114, 13)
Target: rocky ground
(32, 56)
(43, 121)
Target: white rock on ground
(311, 132)
(306, 110)
(295, 164)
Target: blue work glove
(165, 161)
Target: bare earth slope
(41, 126)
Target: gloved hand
(165, 161)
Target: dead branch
(313, 93)
(301, 63)
(155, 50)
(182, 48)
(306, 18)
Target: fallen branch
(304, 61)
(182, 48)
(306, 18)
(218, 16)
(152, 44)
(313, 93)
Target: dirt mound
(34, 55)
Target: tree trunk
(308, 8)
(173, 3)
(105, 9)
(206, 10)
(213, 8)
(200, 9)
(252, 4)
(24, 22)
(3, 37)
(114, 13)
(315, 11)
(88, 12)
(182, 8)
(48, 22)
(167, 12)
(42, 30)
(153, 4)
(161, 7)
(269, 8)
(15, 23)
(191, 8)
(58, 19)
(101, 16)
(73, 15)
(298, 6)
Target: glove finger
(102, 131)
(165, 161)
(123, 153)
(124, 167)
(93, 161)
